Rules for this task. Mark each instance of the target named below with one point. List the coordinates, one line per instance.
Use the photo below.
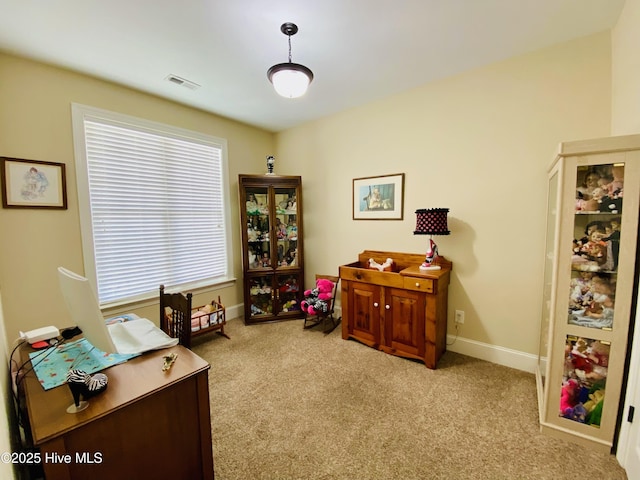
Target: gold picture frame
(379, 198)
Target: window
(153, 205)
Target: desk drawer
(419, 284)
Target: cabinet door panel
(404, 321)
(365, 311)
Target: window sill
(118, 308)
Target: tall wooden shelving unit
(592, 237)
(272, 247)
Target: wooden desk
(147, 424)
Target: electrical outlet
(460, 316)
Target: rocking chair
(311, 321)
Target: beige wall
(625, 36)
(625, 119)
(35, 121)
(6, 400)
(478, 143)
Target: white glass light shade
(290, 80)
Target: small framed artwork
(32, 184)
(378, 198)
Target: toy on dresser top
(387, 266)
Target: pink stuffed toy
(568, 397)
(317, 299)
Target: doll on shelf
(612, 229)
(292, 230)
(581, 294)
(265, 261)
(290, 257)
(252, 204)
(291, 205)
(596, 249)
(253, 259)
(589, 184)
(281, 229)
(602, 304)
(594, 253)
(252, 233)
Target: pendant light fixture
(290, 80)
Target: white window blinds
(157, 207)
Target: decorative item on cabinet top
(431, 221)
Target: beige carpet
(288, 403)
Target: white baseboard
(235, 311)
(493, 353)
(484, 351)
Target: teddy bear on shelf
(317, 300)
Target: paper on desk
(138, 336)
(51, 365)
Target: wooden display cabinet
(401, 312)
(272, 247)
(591, 242)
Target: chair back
(176, 320)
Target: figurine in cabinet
(281, 229)
(292, 230)
(253, 259)
(252, 233)
(252, 204)
(613, 230)
(595, 249)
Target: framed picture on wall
(32, 184)
(378, 198)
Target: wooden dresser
(401, 312)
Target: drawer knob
(417, 284)
(387, 307)
(375, 304)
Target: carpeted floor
(288, 403)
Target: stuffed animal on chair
(317, 300)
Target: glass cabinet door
(549, 275)
(596, 245)
(261, 295)
(258, 231)
(592, 294)
(286, 227)
(288, 293)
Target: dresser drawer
(419, 284)
(386, 279)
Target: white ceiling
(359, 50)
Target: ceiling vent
(182, 82)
